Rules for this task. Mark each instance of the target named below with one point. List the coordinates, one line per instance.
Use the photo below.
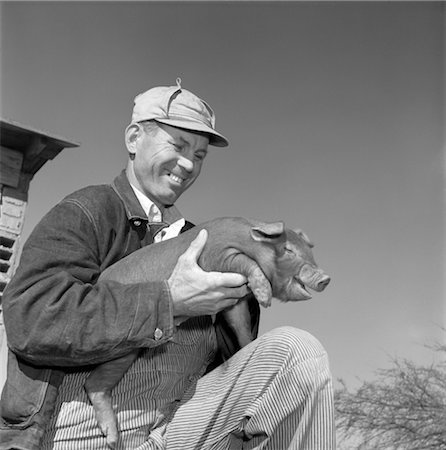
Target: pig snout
(322, 283)
(314, 278)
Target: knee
(294, 342)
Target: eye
(176, 145)
(289, 251)
(200, 156)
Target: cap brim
(215, 139)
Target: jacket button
(158, 334)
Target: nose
(186, 164)
(322, 283)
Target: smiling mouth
(175, 178)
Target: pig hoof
(260, 287)
(109, 428)
(110, 431)
(112, 441)
(263, 297)
(105, 416)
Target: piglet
(277, 262)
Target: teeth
(176, 178)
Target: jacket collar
(133, 208)
(125, 192)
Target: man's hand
(199, 293)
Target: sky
(335, 116)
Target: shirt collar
(136, 209)
(152, 211)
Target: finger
(197, 245)
(229, 279)
(236, 292)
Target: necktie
(155, 224)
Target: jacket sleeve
(56, 313)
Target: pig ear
(268, 232)
(304, 237)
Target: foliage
(404, 408)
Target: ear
(132, 133)
(305, 238)
(268, 232)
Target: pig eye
(289, 251)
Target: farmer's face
(166, 161)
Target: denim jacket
(58, 318)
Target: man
(275, 393)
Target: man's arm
(198, 293)
(56, 313)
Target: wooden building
(23, 151)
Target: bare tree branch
(404, 408)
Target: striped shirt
(144, 399)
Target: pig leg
(257, 281)
(239, 319)
(238, 316)
(260, 286)
(99, 385)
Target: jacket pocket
(29, 394)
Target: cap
(180, 108)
